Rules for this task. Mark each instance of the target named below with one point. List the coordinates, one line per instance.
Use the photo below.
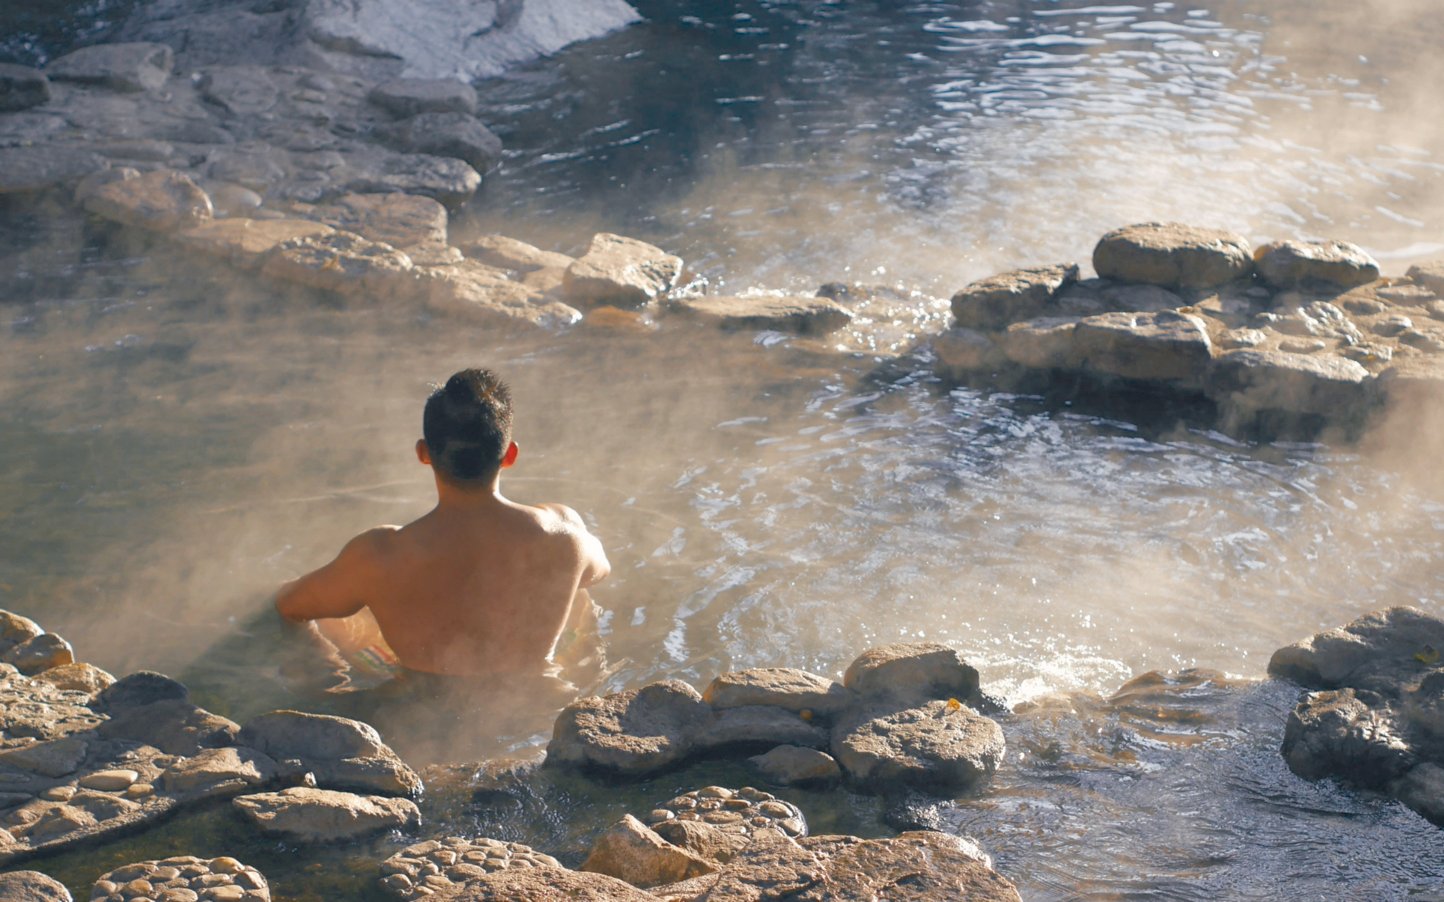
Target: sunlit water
(174, 444)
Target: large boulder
(622, 272)
(304, 814)
(912, 672)
(809, 316)
(1172, 255)
(940, 745)
(1327, 264)
(1150, 347)
(994, 303)
(139, 66)
(630, 851)
(342, 753)
(780, 687)
(1320, 384)
(632, 732)
(22, 88)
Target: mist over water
(175, 441)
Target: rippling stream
(174, 444)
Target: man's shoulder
(372, 543)
(562, 512)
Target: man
(481, 586)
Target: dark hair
(467, 426)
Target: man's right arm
(339, 589)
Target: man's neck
(476, 495)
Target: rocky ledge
(904, 716)
(1374, 715)
(1291, 334)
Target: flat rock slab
(804, 315)
(474, 292)
(1165, 346)
(1172, 255)
(910, 672)
(622, 272)
(160, 201)
(215, 772)
(32, 886)
(122, 67)
(994, 303)
(509, 253)
(1045, 343)
(1333, 264)
(1322, 384)
(940, 745)
(448, 180)
(546, 884)
(25, 170)
(322, 815)
(430, 867)
(633, 732)
(22, 88)
(781, 687)
(341, 752)
(186, 877)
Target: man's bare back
(479, 586)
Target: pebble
(58, 794)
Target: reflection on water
(174, 445)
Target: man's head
(467, 428)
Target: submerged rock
(160, 201)
(809, 316)
(322, 815)
(792, 765)
(1172, 255)
(25, 170)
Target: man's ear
(423, 452)
(509, 457)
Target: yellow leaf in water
(805, 714)
(953, 705)
(1427, 655)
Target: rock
(1346, 733)
(1383, 651)
(633, 732)
(796, 765)
(175, 727)
(15, 629)
(1242, 338)
(120, 67)
(304, 814)
(546, 884)
(342, 263)
(245, 242)
(508, 253)
(143, 687)
(161, 201)
(458, 135)
(756, 725)
(440, 864)
(252, 168)
(39, 654)
(702, 839)
(1423, 707)
(1329, 264)
(403, 221)
(1152, 347)
(455, 39)
(1429, 274)
(912, 672)
(994, 303)
(341, 752)
(747, 814)
(215, 772)
(22, 88)
(780, 687)
(1393, 325)
(448, 180)
(241, 91)
(183, 879)
(1043, 343)
(77, 677)
(808, 316)
(942, 745)
(474, 291)
(964, 350)
(1172, 256)
(1422, 789)
(1252, 380)
(232, 200)
(26, 170)
(620, 271)
(32, 886)
(116, 780)
(407, 97)
(922, 865)
(630, 851)
(55, 758)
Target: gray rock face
(160, 201)
(781, 687)
(792, 765)
(121, 67)
(994, 303)
(1278, 380)
(632, 732)
(340, 752)
(630, 851)
(1172, 255)
(1334, 264)
(437, 865)
(809, 316)
(620, 271)
(1166, 347)
(22, 88)
(940, 745)
(448, 180)
(909, 672)
(457, 135)
(185, 877)
(407, 97)
(32, 886)
(321, 815)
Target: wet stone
(457, 135)
(120, 67)
(442, 864)
(183, 879)
(1333, 264)
(620, 271)
(404, 97)
(994, 303)
(161, 201)
(1172, 255)
(759, 810)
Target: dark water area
(176, 441)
